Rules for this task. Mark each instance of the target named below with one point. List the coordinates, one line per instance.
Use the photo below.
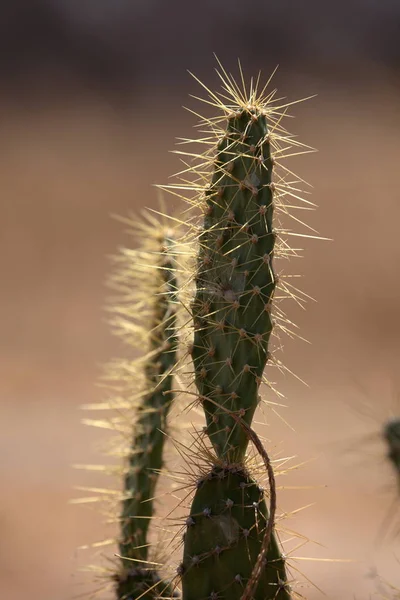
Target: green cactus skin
(235, 282)
(146, 456)
(223, 539)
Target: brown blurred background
(91, 96)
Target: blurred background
(90, 104)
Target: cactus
(391, 434)
(145, 459)
(235, 281)
(144, 317)
(225, 530)
(230, 547)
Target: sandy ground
(64, 171)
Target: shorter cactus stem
(138, 577)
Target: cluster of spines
(235, 284)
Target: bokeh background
(90, 104)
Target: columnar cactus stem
(235, 287)
(235, 281)
(145, 460)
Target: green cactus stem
(138, 577)
(235, 281)
(235, 286)
(391, 434)
(223, 538)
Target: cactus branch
(151, 273)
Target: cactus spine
(235, 286)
